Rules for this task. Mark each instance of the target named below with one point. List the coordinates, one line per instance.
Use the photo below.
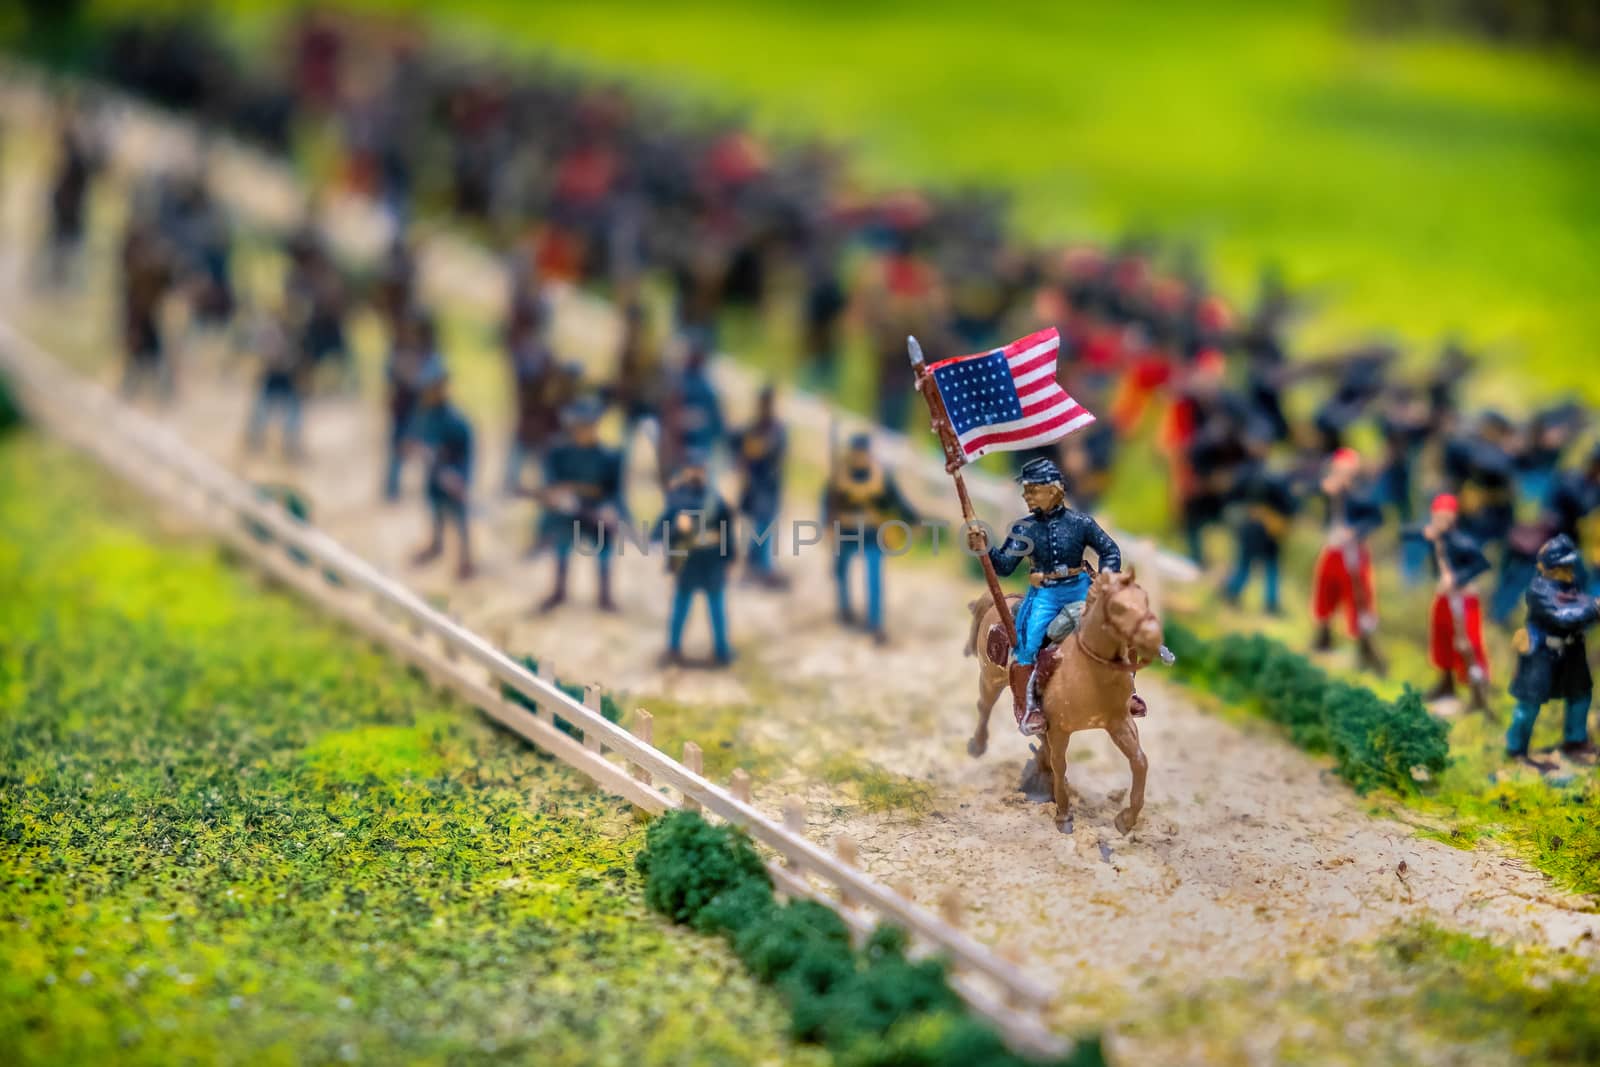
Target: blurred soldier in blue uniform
(698, 529)
(1052, 537)
(1570, 498)
(543, 387)
(583, 499)
(691, 413)
(1264, 504)
(411, 355)
(861, 497)
(1553, 663)
(284, 368)
(759, 450)
(444, 434)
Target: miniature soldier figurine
(1553, 663)
(1265, 504)
(1573, 502)
(1344, 569)
(759, 451)
(284, 367)
(543, 389)
(582, 494)
(697, 527)
(860, 498)
(411, 354)
(691, 413)
(1052, 537)
(445, 435)
(1455, 626)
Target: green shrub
(711, 878)
(1291, 688)
(1192, 655)
(798, 929)
(883, 993)
(953, 1041)
(10, 411)
(737, 908)
(610, 710)
(687, 863)
(1377, 744)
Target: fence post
(794, 820)
(693, 760)
(644, 729)
(951, 906)
(591, 700)
(739, 785)
(844, 847)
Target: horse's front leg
(989, 685)
(1056, 743)
(1125, 735)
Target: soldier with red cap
(1455, 625)
(1343, 578)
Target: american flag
(1008, 399)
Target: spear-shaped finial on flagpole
(954, 460)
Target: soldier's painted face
(1043, 497)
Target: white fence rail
(341, 582)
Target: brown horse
(1089, 688)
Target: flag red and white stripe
(1008, 398)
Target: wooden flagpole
(953, 462)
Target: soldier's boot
(558, 595)
(1478, 697)
(1032, 722)
(1137, 707)
(605, 601)
(1444, 687)
(1369, 657)
(1020, 675)
(1323, 641)
(1580, 751)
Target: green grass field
(1418, 185)
(231, 833)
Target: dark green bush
(687, 863)
(953, 1041)
(1291, 688)
(886, 991)
(1375, 743)
(733, 910)
(792, 932)
(711, 878)
(609, 708)
(10, 412)
(1192, 654)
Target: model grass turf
(870, 1005)
(231, 830)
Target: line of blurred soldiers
(588, 183)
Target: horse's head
(1126, 611)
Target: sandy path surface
(1249, 855)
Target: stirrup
(1032, 724)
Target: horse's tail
(976, 607)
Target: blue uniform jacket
(759, 450)
(1058, 539)
(707, 549)
(594, 472)
(1560, 612)
(448, 436)
(1462, 552)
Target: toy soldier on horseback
(1052, 537)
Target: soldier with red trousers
(1455, 624)
(1343, 578)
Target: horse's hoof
(976, 748)
(1125, 820)
(1064, 825)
